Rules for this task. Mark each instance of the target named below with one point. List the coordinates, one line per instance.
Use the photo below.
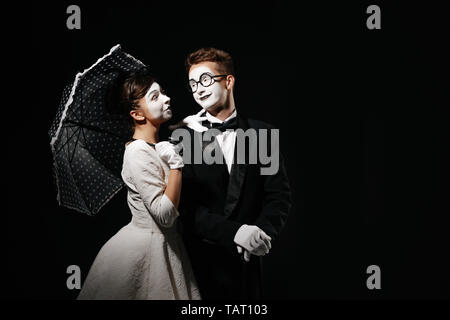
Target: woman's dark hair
(133, 89)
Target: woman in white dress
(146, 259)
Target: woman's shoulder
(140, 148)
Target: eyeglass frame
(199, 82)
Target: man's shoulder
(258, 124)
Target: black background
(363, 125)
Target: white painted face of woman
(158, 104)
(212, 96)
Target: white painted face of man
(158, 104)
(212, 96)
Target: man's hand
(193, 122)
(252, 239)
(246, 253)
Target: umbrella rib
(86, 142)
(75, 147)
(71, 126)
(96, 119)
(67, 141)
(78, 190)
(79, 129)
(112, 173)
(72, 113)
(93, 128)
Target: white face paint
(210, 97)
(158, 103)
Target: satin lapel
(237, 176)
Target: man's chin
(206, 107)
(209, 108)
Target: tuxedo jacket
(215, 204)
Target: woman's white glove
(169, 153)
(193, 122)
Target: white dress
(146, 259)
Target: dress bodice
(146, 176)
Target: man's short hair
(222, 58)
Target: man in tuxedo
(230, 213)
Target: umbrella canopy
(88, 137)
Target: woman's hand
(169, 153)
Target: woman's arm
(144, 171)
(173, 188)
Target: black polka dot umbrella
(88, 135)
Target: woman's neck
(147, 132)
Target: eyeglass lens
(205, 80)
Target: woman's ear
(137, 115)
(229, 81)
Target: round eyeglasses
(205, 80)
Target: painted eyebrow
(151, 92)
(206, 72)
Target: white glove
(253, 239)
(246, 253)
(169, 153)
(192, 122)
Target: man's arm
(276, 203)
(215, 228)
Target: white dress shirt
(226, 140)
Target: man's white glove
(253, 239)
(169, 153)
(193, 122)
(246, 253)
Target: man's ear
(137, 115)
(229, 82)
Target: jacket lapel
(237, 176)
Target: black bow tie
(229, 124)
